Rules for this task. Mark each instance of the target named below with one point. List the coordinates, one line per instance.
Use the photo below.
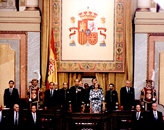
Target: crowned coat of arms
(87, 29)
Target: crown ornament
(87, 14)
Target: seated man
(155, 118)
(16, 119)
(34, 119)
(138, 119)
(148, 95)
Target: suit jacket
(64, 96)
(10, 100)
(11, 120)
(87, 91)
(77, 95)
(156, 123)
(138, 124)
(49, 101)
(3, 120)
(111, 98)
(30, 122)
(56, 98)
(127, 100)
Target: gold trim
(32, 9)
(143, 9)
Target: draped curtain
(45, 38)
(118, 79)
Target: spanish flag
(52, 66)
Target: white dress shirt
(51, 92)
(155, 114)
(10, 91)
(34, 116)
(127, 89)
(138, 115)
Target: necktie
(110, 96)
(34, 117)
(16, 118)
(155, 115)
(10, 90)
(137, 116)
(65, 94)
(128, 90)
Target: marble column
(140, 63)
(144, 5)
(33, 56)
(32, 5)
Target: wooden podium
(86, 121)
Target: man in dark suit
(77, 97)
(127, 97)
(15, 118)
(138, 119)
(56, 96)
(11, 95)
(155, 118)
(87, 102)
(49, 97)
(111, 98)
(65, 97)
(33, 119)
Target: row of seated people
(35, 121)
(90, 98)
(16, 119)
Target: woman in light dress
(96, 98)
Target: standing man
(56, 96)
(155, 118)
(111, 98)
(87, 102)
(11, 95)
(138, 119)
(127, 97)
(33, 119)
(16, 120)
(65, 102)
(65, 97)
(77, 97)
(49, 97)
